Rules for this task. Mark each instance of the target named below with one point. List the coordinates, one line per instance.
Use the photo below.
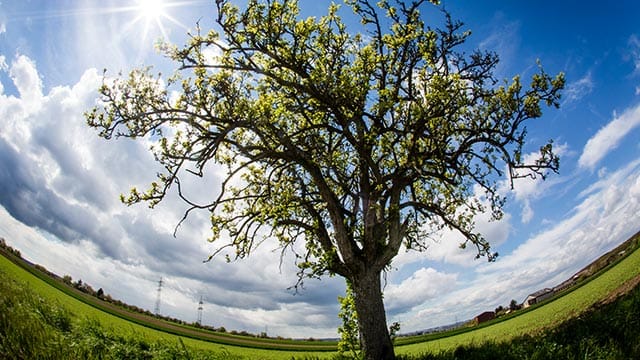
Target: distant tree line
(100, 294)
(503, 310)
(8, 249)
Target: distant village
(532, 299)
(547, 293)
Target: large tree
(354, 143)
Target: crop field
(533, 321)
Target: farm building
(566, 284)
(485, 316)
(538, 296)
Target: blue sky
(61, 183)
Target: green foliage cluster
(33, 327)
(349, 343)
(349, 336)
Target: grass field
(127, 328)
(546, 316)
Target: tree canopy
(356, 142)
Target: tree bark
(375, 341)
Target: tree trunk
(374, 336)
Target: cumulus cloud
(444, 246)
(608, 137)
(607, 214)
(27, 80)
(60, 178)
(421, 286)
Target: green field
(546, 316)
(80, 309)
(533, 321)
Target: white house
(537, 297)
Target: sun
(152, 14)
(152, 10)
(150, 19)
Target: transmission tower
(157, 308)
(200, 311)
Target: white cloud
(445, 245)
(27, 80)
(422, 285)
(578, 89)
(634, 190)
(527, 212)
(59, 177)
(504, 40)
(528, 189)
(608, 137)
(3, 67)
(634, 49)
(593, 226)
(606, 215)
